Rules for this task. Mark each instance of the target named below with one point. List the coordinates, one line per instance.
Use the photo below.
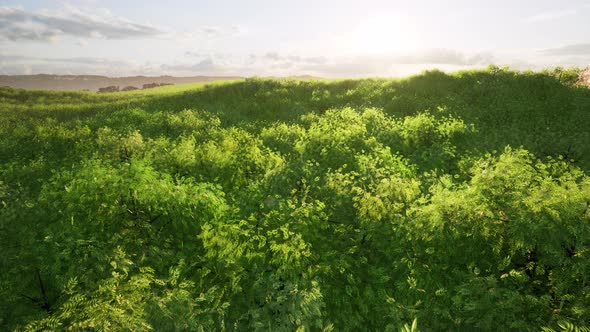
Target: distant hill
(94, 82)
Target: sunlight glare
(384, 34)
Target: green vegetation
(437, 202)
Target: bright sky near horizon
(328, 38)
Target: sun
(383, 34)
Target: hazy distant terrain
(94, 82)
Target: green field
(458, 201)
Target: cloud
(204, 66)
(86, 61)
(254, 64)
(19, 65)
(17, 24)
(275, 59)
(218, 31)
(575, 49)
(75, 60)
(278, 64)
(443, 57)
(263, 64)
(12, 58)
(204, 55)
(212, 33)
(551, 15)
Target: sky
(326, 38)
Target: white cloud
(550, 15)
(82, 25)
(207, 65)
(17, 24)
(211, 32)
(266, 64)
(279, 60)
(574, 49)
(24, 65)
(285, 64)
(442, 56)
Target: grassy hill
(457, 200)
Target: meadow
(437, 202)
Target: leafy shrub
(299, 205)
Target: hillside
(458, 201)
(94, 82)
